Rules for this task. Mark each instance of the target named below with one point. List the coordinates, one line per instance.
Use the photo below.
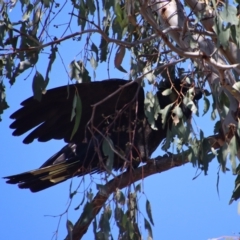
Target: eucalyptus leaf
(77, 109)
(167, 92)
(38, 86)
(206, 105)
(149, 211)
(107, 148)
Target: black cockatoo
(110, 114)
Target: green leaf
(191, 154)
(13, 4)
(217, 127)
(233, 146)
(138, 188)
(118, 214)
(178, 114)
(76, 112)
(191, 105)
(235, 33)
(119, 196)
(179, 143)
(168, 140)
(107, 148)
(46, 3)
(201, 136)
(104, 223)
(79, 72)
(13, 41)
(37, 15)
(38, 86)
(167, 92)
(3, 30)
(149, 211)
(130, 231)
(118, 11)
(23, 3)
(229, 14)
(182, 132)
(70, 189)
(91, 6)
(191, 93)
(73, 114)
(236, 86)
(116, 28)
(104, 45)
(224, 101)
(52, 58)
(236, 191)
(234, 195)
(148, 74)
(206, 105)
(124, 220)
(213, 114)
(22, 66)
(100, 236)
(93, 63)
(107, 4)
(28, 12)
(223, 32)
(238, 129)
(3, 103)
(152, 109)
(206, 93)
(165, 113)
(132, 206)
(148, 227)
(204, 156)
(83, 12)
(95, 49)
(222, 156)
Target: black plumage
(119, 118)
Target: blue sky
(182, 208)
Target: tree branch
(160, 164)
(153, 166)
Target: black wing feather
(51, 116)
